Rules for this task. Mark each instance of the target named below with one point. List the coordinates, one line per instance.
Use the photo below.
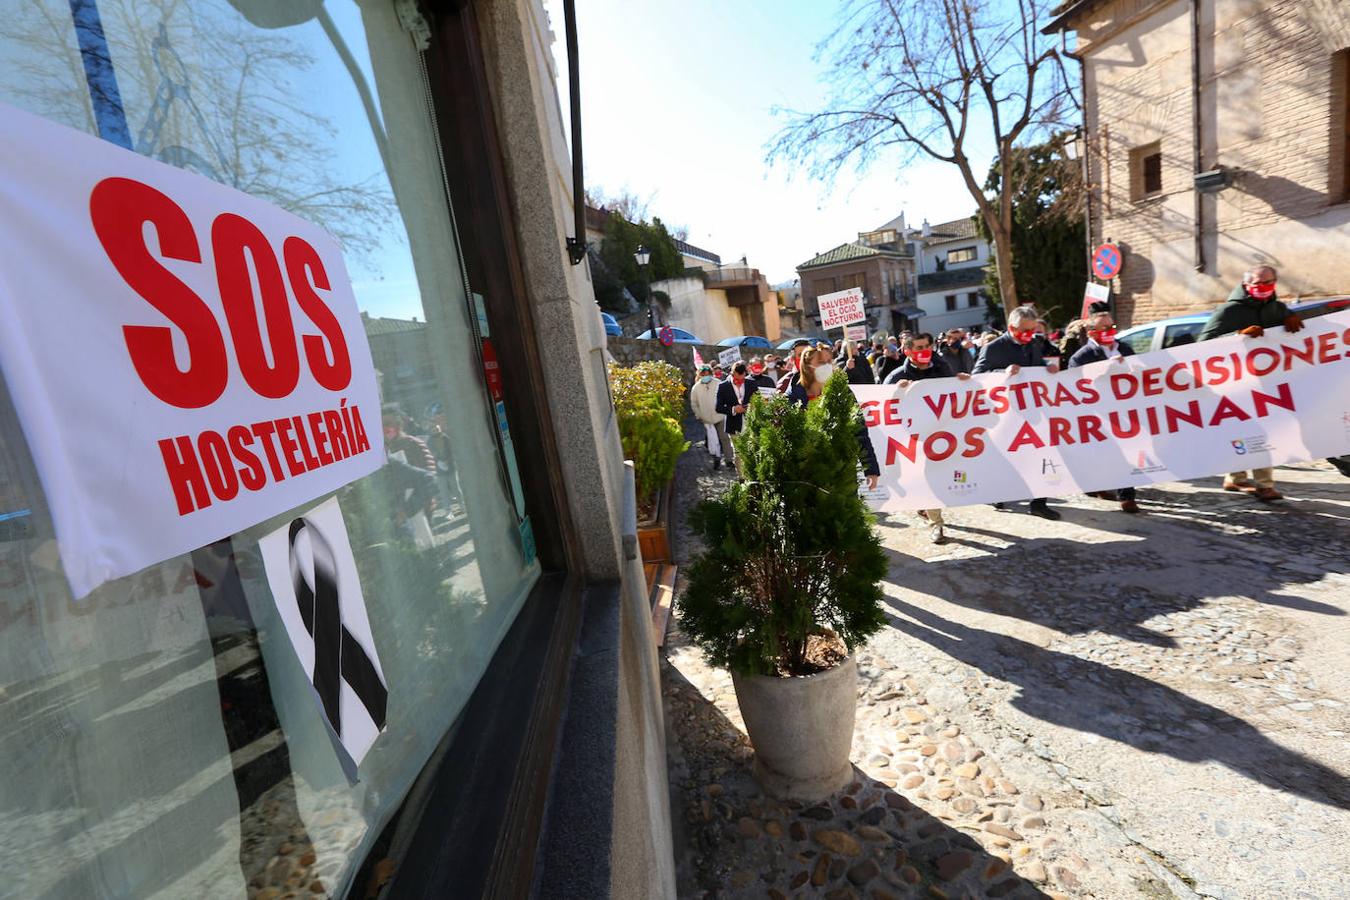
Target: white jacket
(703, 400)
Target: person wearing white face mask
(816, 368)
(1102, 345)
(703, 400)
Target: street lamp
(643, 257)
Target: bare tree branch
(935, 79)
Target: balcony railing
(732, 273)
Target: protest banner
(841, 308)
(855, 333)
(148, 371)
(1188, 412)
(729, 356)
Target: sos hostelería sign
(186, 360)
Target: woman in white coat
(703, 400)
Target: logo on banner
(1254, 444)
(1144, 464)
(960, 483)
(313, 576)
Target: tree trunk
(1003, 256)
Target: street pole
(1084, 152)
(651, 308)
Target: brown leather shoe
(1129, 506)
(1246, 487)
(1266, 495)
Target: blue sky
(676, 107)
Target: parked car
(750, 341)
(681, 336)
(1180, 330)
(1164, 333)
(611, 325)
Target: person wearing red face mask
(1012, 351)
(1016, 348)
(923, 362)
(1250, 310)
(761, 378)
(1102, 345)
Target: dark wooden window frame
(1146, 175)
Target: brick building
(884, 271)
(1217, 138)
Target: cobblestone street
(1104, 706)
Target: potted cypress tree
(788, 586)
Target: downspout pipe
(1085, 151)
(576, 246)
(1196, 162)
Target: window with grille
(1146, 171)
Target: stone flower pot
(801, 729)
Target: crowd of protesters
(721, 398)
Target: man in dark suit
(1011, 352)
(1101, 339)
(733, 397)
(1102, 345)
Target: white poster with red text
(1226, 405)
(847, 307)
(186, 360)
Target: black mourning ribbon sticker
(337, 655)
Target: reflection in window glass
(1140, 341)
(161, 736)
(1184, 333)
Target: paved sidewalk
(1106, 706)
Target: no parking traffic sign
(1106, 262)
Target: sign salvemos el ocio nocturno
(186, 360)
(1188, 412)
(846, 307)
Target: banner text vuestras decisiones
(1084, 426)
(119, 209)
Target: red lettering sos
(119, 209)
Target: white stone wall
(702, 311)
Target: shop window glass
(161, 737)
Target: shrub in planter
(653, 441)
(790, 550)
(632, 385)
(789, 585)
(649, 402)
